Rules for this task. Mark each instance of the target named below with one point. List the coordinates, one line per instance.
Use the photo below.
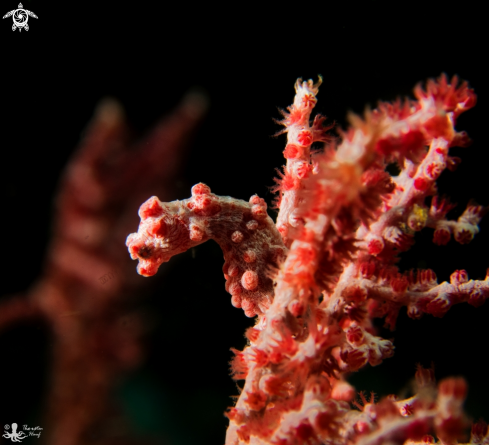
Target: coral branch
(300, 137)
(16, 309)
(343, 221)
(84, 293)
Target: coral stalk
(343, 221)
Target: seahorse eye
(145, 252)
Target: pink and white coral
(317, 278)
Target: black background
(246, 58)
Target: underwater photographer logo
(15, 436)
(20, 17)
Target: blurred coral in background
(87, 292)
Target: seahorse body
(246, 234)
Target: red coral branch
(343, 222)
(85, 291)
